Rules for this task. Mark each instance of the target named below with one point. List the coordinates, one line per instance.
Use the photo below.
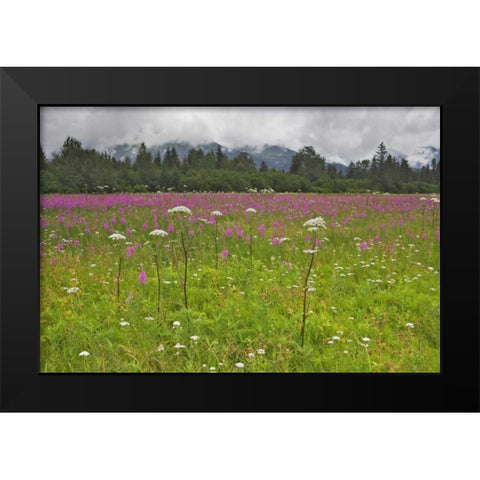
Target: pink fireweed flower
(87, 231)
(224, 253)
(191, 233)
(363, 245)
(60, 246)
(170, 228)
(228, 232)
(142, 278)
(145, 226)
(130, 251)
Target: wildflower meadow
(253, 282)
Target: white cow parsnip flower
(158, 233)
(180, 209)
(316, 222)
(117, 236)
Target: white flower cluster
(316, 222)
(216, 213)
(73, 290)
(180, 209)
(250, 210)
(158, 233)
(117, 236)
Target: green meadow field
(240, 283)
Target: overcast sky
(339, 133)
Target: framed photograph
(239, 239)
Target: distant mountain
(423, 156)
(275, 156)
(420, 157)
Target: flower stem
(305, 289)
(118, 279)
(216, 246)
(158, 284)
(185, 253)
(251, 241)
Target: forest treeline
(78, 170)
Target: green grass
(242, 307)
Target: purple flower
(130, 251)
(224, 253)
(363, 245)
(170, 229)
(142, 278)
(60, 246)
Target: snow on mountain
(423, 156)
(275, 156)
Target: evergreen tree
(170, 159)
(157, 160)
(42, 159)
(144, 160)
(243, 163)
(70, 146)
(381, 153)
(309, 164)
(221, 160)
(263, 166)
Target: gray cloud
(339, 133)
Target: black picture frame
(24, 90)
